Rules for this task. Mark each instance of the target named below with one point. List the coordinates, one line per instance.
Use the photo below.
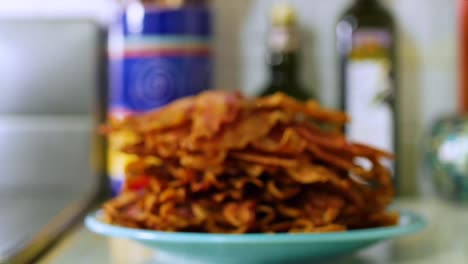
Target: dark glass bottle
(284, 54)
(366, 46)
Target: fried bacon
(223, 163)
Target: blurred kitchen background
(427, 56)
(52, 56)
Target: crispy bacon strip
(311, 109)
(212, 111)
(264, 160)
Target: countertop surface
(31, 218)
(445, 241)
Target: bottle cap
(283, 14)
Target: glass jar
(448, 157)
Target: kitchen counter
(445, 241)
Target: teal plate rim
(410, 222)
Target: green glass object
(448, 157)
(283, 62)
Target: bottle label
(161, 63)
(150, 71)
(370, 89)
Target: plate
(258, 248)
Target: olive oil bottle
(366, 41)
(283, 61)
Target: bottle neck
(283, 61)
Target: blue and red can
(156, 55)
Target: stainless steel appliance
(50, 76)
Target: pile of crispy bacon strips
(222, 163)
